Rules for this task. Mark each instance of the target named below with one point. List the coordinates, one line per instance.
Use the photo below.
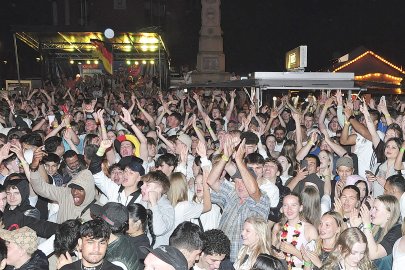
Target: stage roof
(146, 44)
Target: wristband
(367, 226)
(209, 129)
(68, 126)
(311, 142)
(387, 115)
(225, 158)
(347, 123)
(402, 150)
(100, 151)
(23, 162)
(309, 264)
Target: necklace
(98, 267)
(294, 242)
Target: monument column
(211, 57)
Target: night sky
(257, 33)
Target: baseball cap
(132, 162)
(184, 138)
(75, 186)
(169, 255)
(25, 238)
(238, 175)
(115, 214)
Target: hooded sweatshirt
(25, 214)
(14, 217)
(62, 195)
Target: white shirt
(186, 210)
(272, 192)
(398, 256)
(210, 220)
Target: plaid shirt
(234, 213)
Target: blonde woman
(185, 210)
(351, 252)
(329, 229)
(255, 241)
(381, 226)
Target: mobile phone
(369, 172)
(51, 118)
(304, 164)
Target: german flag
(104, 55)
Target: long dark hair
(138, 212)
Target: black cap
(132, 162)
(115, 214)
(169, 255)
(75, 186)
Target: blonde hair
(344, 246)
(262, 230)
(178, 191)
(341, 226)
(391, 205)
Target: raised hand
(233, 93)
(365, 214)
(100, 116)
(337, 205)
(240, 153)
(38, 155)
(106, 144)
(296, 116)
(339, 98)
(228, 146)
(355, 220)
(264, 109)
(196, 97)
(201, 149)
(183, 153)
(5, 151)
(126, 117)
(16, 148)
(348, 112)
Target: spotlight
(128, 62)
(136, 63)
(144, 62)
(88, 62)
(152, 62)
(72, 62)
(96, 62)
(80, 63)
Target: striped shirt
(234, 213)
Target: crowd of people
(204, 179)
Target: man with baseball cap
(128, 191)
(165, 258)
(120, 248)
(22, 252)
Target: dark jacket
(38, 261)
(25, 214)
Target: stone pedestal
(210, 58)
